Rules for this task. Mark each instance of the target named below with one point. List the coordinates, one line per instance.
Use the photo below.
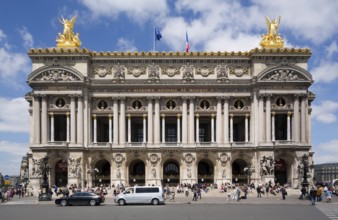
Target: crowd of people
(10, 193)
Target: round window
(171, 104)
(137, 105)
(60, 103)
(205, 104)
(102, 104)
(239, 104)
(280, 102)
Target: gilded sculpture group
(70, 40)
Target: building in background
(145, 118)
(325, 173)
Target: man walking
(313, 195)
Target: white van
(141, 194)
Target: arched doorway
(137, 173)
(238, 173)
(61, 173)
(101, 176)
(171, 172)
(281, 176)
(205, 172)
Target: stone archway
(61, 173)
(281, 171)
(171, 172)
(101, 174)
(205, 171)
(137, 173)
(238, 173)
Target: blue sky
(127, 25)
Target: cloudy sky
(127, 25)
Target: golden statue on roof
(68, 39)
(272, 39)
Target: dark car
(81, 198)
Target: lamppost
(44, 167)
(305, 161)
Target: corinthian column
(184, 121)
(122, 122)
(191, 120)
(268, 119)
(304, 114)
(226, 120)
(80, 120)
(296, 120)
(219, 121)
(116, 122)
(72, 119)
(150, 120)
(157, 121)
(36, 115)
(44, 120)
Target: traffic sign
(6, 182)
(6, 177)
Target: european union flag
(158, 35)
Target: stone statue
(267, 165)
(153, 172)
(68, 39)
(74, 167)
(272, 39)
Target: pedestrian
(303, 193)
(313, 195)
(195, 195)
(328, 195)
(284, 193)
(259, 191)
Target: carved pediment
(55, 74)
(285, 74)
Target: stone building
(169, 117)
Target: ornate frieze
(153, 73)
(119, 73)
(57, 75)
(222, 72)
(188, 73)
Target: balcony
(58, 144)
(241, 144)
(101, 145)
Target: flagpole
(154, 40)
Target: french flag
(187, 45)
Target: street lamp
(305, 161)
(44, 167)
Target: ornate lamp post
(45, 196)
(305, 161)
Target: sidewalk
(207, 198)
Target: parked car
(81, 198)
(141, 194)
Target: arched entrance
(205, 172)
(137, 173)
(281, 176)
(61, 173)
(238, 173)
(101, 176)
(171, 172)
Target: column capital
(273, 113)
(213, 115)
(197, 115)
(163, 115)
(72, 96)
(144, 115)
(122, 98)
(226, 98)
(157, 98)
(247, 115)
(191, 98)
(115, 98)
(110, 116)
(219, 98)
(44, 97)
(178, 115)
(129, 115)
(184, 98)
(268, 96)
(289, 114)
(261, 96)
(67, 114)
(150, 98)
(231, 115)
(51, 114)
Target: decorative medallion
(188, 73)
(118, 158)
(188, 158)
(171, 71)
(222, 72)
(238, 71)
(118, 72)
(153, 72)
(136, 71)
(223, 158)
(102, 71)
(205, 71)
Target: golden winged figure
(272, 39)
(68, 39)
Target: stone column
(44, 122)
(129, 128)
(212, 128)
(219, 121)
(72, 120)
(309, 132)
(273, 127)
(197, 128)
(246, 128)
(178, 128)
(150, 120)
(261, 116)
(36, 113)
(191, 120)
(289, 126)
(231, 128)
(51, 126)
(268, 119)
(94, 129)
(79, 120)
(163, 128)
(122, 121)
(226, 120)
(116, 122)
(144, 128)
(304, 113)
(184, 121)
(68, 127)
(296, 120)
(157, 121)
(110, 128)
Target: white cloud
(332, 48)
(27, 38)
(327, 72)
(139, 11)
(325, 112)
(14, 116)
(12, 148)
(11, 154)
(124, 44)
(326, 152)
